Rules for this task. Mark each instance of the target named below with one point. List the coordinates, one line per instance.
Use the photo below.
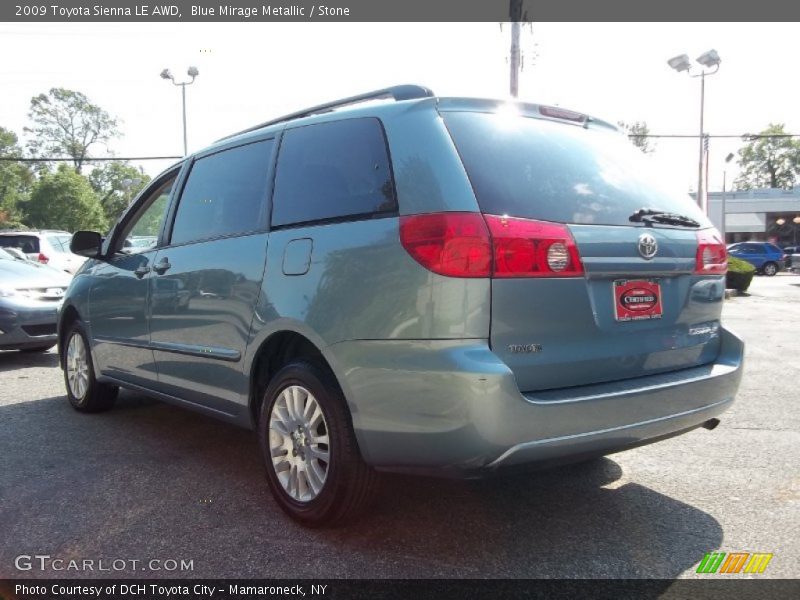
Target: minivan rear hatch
(636, 303)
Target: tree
(66, 123)
(637, 134)
(116, 184)
(769, 161)
(16, 179)
(64, 200)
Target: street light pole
(192, 72)
(183, 98)
(723, 224)
(700, 186)
(708, 60)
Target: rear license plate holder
(637, 299)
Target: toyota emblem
(648, 246)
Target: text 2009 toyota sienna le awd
(430, 284)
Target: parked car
(441, 285)
(792, 258)
(767, 258)
(47, 247)
(30, 295)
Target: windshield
(539, 169)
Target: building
(766, 214)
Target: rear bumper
(27, 326)
(454, 406)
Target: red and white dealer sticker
(637, 299)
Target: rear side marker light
(42, 258)
(475, 245)
(712, 255)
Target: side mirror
(86, 243)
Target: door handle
(142, 271)
(163, 266)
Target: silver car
(48, 247)
(30, 295)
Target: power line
(88, 160)
(746, 137)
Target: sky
(251, 72)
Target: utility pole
(515, 15)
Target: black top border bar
(147, 11)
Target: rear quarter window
(333, 170)
(540, 169)
(60, 243)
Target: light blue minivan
(398, 281)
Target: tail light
(43, 258)
(712, 256)
(452, 244)
(474, 245)
(527, 248)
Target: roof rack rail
(396, 92)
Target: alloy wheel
(299, 443)
(77, 367)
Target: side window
(756, 249)
(141, 232)
(224, 195)
(333, 170)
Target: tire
(33, 349)
(313, 491)
(89, 395)
(770, 269)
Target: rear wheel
(770, 269)
(314, 468)
(84, 392)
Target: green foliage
(66, 123)
(116, 184)
(64, 200)
(150, 222)
(636, 134)
(16, 179)
(772, 162)
(740, 274)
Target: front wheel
(314, 468)
(770, 269)
(84, 392)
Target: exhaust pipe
(711, 424)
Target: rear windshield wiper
(648, 216)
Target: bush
(740, 274)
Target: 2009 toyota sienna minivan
(423, 284)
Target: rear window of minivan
(539, 169)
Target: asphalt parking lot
(148, 481)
